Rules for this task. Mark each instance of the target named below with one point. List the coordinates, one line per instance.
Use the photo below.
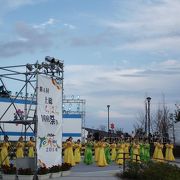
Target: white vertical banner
(49, 126)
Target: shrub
(27, 171)
(9, 169)
(54, 169)
(161, 171)
(132, 170)
(65, 167)
(152, 170)
(43, 170)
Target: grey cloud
(30, 40)
(149, 72)
(104, 38)
(102, 93)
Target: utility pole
(108, 106)
(148, 113)
(145, 128)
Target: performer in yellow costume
(20, 148)
(96, 149)
(136, 150)
(101, 158)
(169, 152)
(155, 150)
(77, 152)
(113, 151)
(69, 152)
(160, 157)
(126, 149)
(4, 151)
(120, 151)
(31, 146)
(65, 151)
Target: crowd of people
(104, 152)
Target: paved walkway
(92, 172)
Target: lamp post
(108, 106)
(145, 128)
(172, 121)
(148, 114)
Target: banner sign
(49, 126)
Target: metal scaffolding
(75, 105)
(23, 78)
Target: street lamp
(146, 120)
(108, 106)
(148, 114)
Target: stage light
(61, 65)
(38, 66)
(45, 65)
(52, 65)
(29, 67)
(58, 70)
(50, 59)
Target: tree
(162, 122)
(177, 114)
(140, 122)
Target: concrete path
(92, 172)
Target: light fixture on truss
(29, 67)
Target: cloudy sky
(115, 52)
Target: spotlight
(52, 66)
(57, 62)
(38, 66)
(50, 59)
(46, 66)
(29, 67)
(58, 70)
(61, 65)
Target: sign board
(49, 127)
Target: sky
(115, 52)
